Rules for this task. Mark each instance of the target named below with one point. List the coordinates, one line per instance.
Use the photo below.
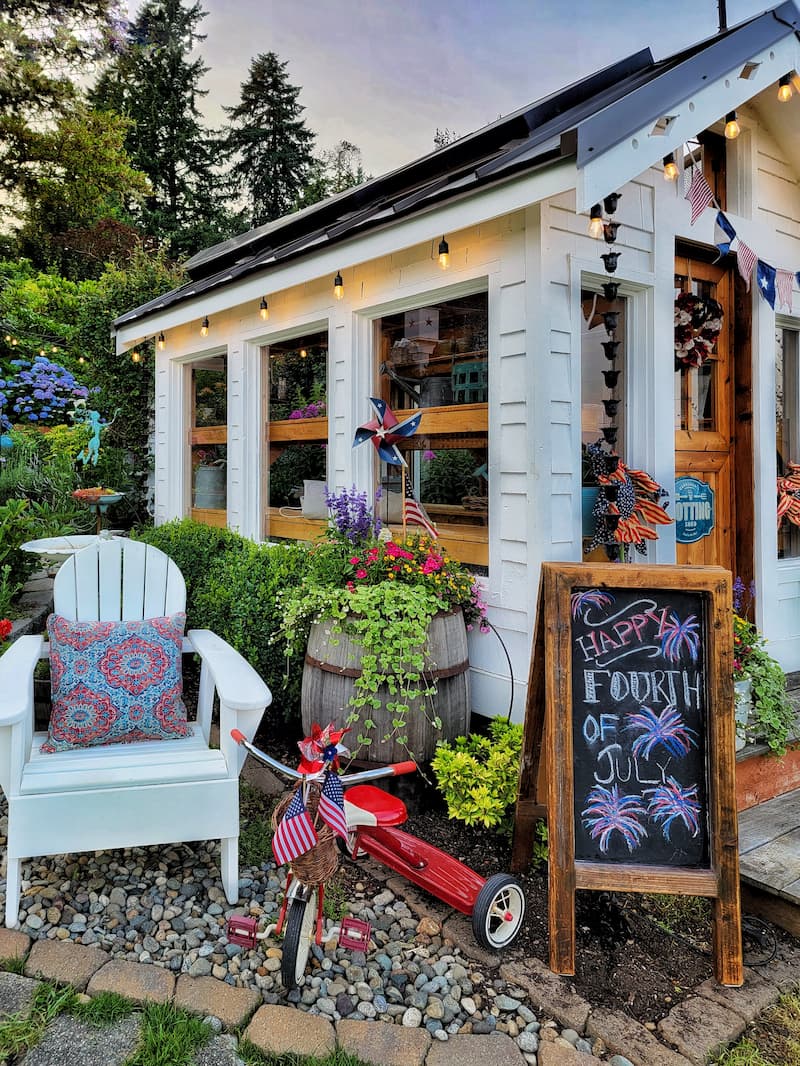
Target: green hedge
(232, 588)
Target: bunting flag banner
(699, 194)
(797, 276)
(295, 834)
(783, 288)
(724, 234)
(331, 805)
(414, 513)
(765, 278)
(746, 261)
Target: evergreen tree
(332, 172)
(154, 83)
(268, 142)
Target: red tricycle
(496, 904)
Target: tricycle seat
(368, 805)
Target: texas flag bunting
(765, 278)
(724, 233)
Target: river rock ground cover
(636, 953)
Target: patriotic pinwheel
(322, 747)
(384, 430)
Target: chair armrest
(237, 683)
(16, 679)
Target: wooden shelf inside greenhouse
(209, 516)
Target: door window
(787, 425)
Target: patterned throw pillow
(115, 682)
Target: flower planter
(332, 665)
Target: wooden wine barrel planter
(329, 677)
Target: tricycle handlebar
(408, 767)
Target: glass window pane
(291, 468)
(209, 467)
(436, 356)
(298, 378)
(787, 414)
(210, 392)
(695, 387)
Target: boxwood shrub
(232, 587)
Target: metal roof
(582, 121)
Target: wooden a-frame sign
(629, 736)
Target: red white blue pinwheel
(384, 431)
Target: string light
(162, 341)
(303, 353)
(670, 167)
(204, 327)
(263, 309)
(338, 286)
(136, 356)
(596, 221)
(732, 128)
(785, 88)
(444, 254)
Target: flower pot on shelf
(333, 662)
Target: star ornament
(384, 431)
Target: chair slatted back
(118, 580)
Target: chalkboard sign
(630, 717)
(639, 726)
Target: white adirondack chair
(124, 795)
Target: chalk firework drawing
(667, 729)
(610, 811)
(670, 801)
(676, 633)
(582, 601)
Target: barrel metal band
(427, 675)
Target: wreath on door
(698, 324)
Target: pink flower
(354, 560)
(361, 573)
(427, 455)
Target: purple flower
(427, 455)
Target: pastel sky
(385, 75)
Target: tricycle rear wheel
(498, 912)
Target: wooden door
(704, 407)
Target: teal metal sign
(694, 510)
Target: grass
(21, 1031)
(14, 965)
(105, 1009)
(774, 1040)
(169, 1037)
(252, 1056)
(334, 905)
(255, 834)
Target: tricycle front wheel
(300, 926)
(498, 912)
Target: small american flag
(746, 260)
(295, 835)
(331, 804)
(783, 287)
(414, 513)
(699, 194)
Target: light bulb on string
(136, 356)
(785, 88)
(596, 221)
(732, 128)
(162, 341)
(338, 286)
(205, 327)
(444, 254)
(670, 167)
(263, 309)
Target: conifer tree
(268, 143)
(154, 83)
